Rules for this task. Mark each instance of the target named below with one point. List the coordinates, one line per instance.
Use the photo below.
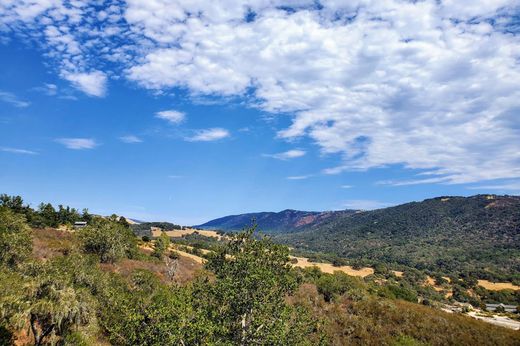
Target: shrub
(108, 239)
(15, 238)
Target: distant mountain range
(286, 221)
(477, 234)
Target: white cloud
(365, 204)
(18, 151)
(299, 177)
(92, 83)
(207, 135)
(432, 86)
(130, 139)
(346, 186)
(290, 154)
(513, 186)
(173, 176)
(11, 98)
(172, 116)
(78, 143)
(48, 89)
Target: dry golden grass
(497, 286)
(50, 242)
(329, 268)
(398, 273)
(178, 233)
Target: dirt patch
(497, 286)
(187, 267)
(50, 242)
(398, 273)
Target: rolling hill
(479, 235)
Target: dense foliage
(479, 235)
(46, 215)
(108, 239)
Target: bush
(15, 238)
(108, 239)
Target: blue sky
(192, 110)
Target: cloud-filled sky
(257, 105)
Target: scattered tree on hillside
(162, 243)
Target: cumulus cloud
(286, 155)
(432, 86)
(92, 83)
(78, 143)
(18, 151)
(172, 116)
(11, 98)
(130, 139)
(208, 135)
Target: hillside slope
(479, 234)
(285, 221)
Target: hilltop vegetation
(101, 285)
(477, 236)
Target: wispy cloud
(18, 151)
(78, 143)
(435, 180)
(365, 204)
(286, 155)
(298, 177)
(174, 176)
(11, 98)
(513, 186)
(48, 89)
(130, 139)
(346, 186)
(172, 116)
(207, 135)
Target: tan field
(178, 233)
(497, 286)
(329, 268)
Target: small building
(80, 224)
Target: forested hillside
(451, 235)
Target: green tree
(15, 238)
(161, 245)
(247, 298)
(45, 299)
(108, 239)
(15, 203)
